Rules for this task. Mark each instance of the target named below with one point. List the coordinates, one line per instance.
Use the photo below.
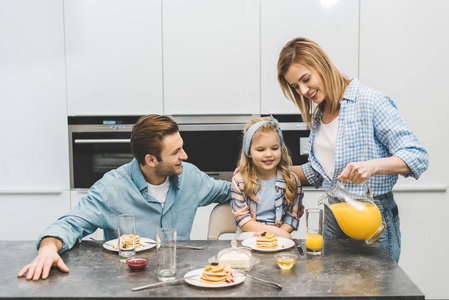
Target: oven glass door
(292, 139)
(94, 154)
(213, 151)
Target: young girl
(265, 194)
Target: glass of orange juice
(314, 231)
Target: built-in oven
(212, 143)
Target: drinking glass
(166, 254)
(314, 231)
(126, 236)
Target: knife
(298, 247)
(163, 282)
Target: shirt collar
(140, 181)
(137, 175)
(352, 90)
(280, 182)
(176, 180)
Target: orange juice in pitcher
(350, 219)
(357, 216)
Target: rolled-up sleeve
(313, 177)
(393, 133)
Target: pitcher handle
(323, 198)
(367, 189)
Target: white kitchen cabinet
(335, 28)
(34, 164)
(403, 53)
(211, 56)
(34, 137)
(114, 57)
(25, 216)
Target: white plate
(195, 280)
(145, 244)
(283, 243)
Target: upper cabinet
(114, 57)
(34, 152)
(403, 53)
(335, 28)
(211, 56)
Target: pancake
(215, 274)
(127, 241)
(267, 241)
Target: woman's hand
(357, 172)
(360, 171)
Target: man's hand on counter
(46, 258)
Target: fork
(261, 280)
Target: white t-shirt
(324, 146)
(159, 192)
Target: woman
(357, 135)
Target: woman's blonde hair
(305, 52)
(248, 170)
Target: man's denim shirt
(125, 191)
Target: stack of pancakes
(267, 241)
(127, 241)
(215, 274)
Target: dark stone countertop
(347, 269)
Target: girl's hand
(357, 172)
(259, 233)
(282, 233)
(274, 230)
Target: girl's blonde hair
(248, 170)
(305, 52)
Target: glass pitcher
(357, 216)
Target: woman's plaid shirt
(369, 128)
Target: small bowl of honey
(286, 261)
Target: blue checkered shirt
(369, 128)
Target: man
(156, 186)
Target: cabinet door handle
(31, 192)
(102, 141)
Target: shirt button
(146, 190)
(277, 208)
